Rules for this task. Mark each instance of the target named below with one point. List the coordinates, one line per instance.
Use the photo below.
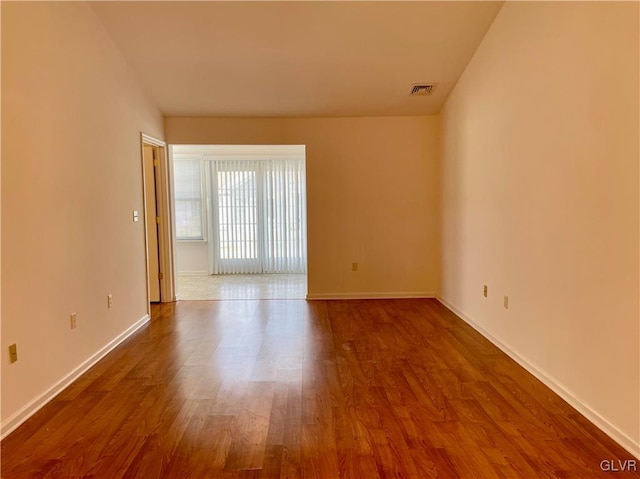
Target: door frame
(163, 210)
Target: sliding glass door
(258, 216)
(235, 217)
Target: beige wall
(71, 176)
(540, 200)
(539, 178)
(191, 257)
(371, 196)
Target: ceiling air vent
(423, 89)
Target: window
(237, 218)
(248, 202)
(188, 199)
(259, 222)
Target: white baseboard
(193, 273)
(15, 420)
(396, 295)
(610, 429)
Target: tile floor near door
(242, 286)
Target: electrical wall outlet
(13, 353)
(73, 322)
(506, 302)
(354, 266)
(109, 300)
(485, 291)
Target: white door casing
(153, 262)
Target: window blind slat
(260, 216)
(188, 199)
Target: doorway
(240, 221)
(157, 219)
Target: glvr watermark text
(617, 465)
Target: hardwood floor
(290, 389)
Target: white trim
(395, 295)
(248, 151)
(203, 272)
(15, 420)
(143, 142)
(610, 429)
(164, 209)
(152, 141)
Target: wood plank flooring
(295, 389)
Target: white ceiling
(296, 58)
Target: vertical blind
(259, 216)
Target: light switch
(135, 216)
